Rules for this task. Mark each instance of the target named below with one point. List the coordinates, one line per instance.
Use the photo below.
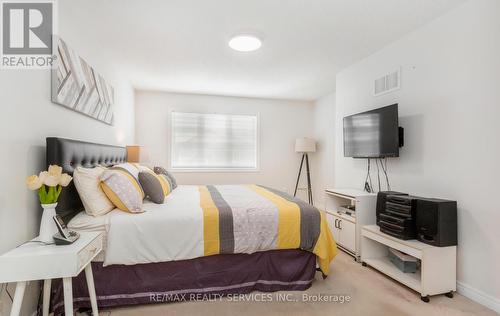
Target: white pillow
(87, 182)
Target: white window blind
(214, 141)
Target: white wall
(28, 116)
(280, 123)
(323, 158)
(450, 108)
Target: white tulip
(55, 170)
(51, 181)
(65, 179)
(43, 175)
(33, 182)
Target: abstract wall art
(77, 86)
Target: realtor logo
(27, 29)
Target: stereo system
(381, 199)
(399, 217)
(432, 221)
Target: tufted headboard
(69, 154)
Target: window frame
(213, 170)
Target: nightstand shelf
(35, 261)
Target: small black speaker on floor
(437, 222)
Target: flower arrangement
(49, 184)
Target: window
(214, 141)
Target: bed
(202, 242)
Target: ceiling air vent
(388, 83)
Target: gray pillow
(152, 187)
(170, 177)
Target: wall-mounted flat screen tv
(372, 134)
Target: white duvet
(199, 221)
(164, 232)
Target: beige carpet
(371, 294)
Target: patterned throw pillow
(167, 175)
(132, 168)
(122, 189)
(155, 186)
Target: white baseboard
(479, 296)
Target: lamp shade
(133, 153)
(305, 145)
(136, 153)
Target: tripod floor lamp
(305, 145)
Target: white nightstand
(34, 261)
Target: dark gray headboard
(69, 154)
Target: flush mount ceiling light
(245, 43)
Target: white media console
(437, 274)
(346, 228)
(357, 234)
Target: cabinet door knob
(340, 224)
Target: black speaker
(401, 134)
(381, 201)
(437, 222)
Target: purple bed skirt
(120, 285)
